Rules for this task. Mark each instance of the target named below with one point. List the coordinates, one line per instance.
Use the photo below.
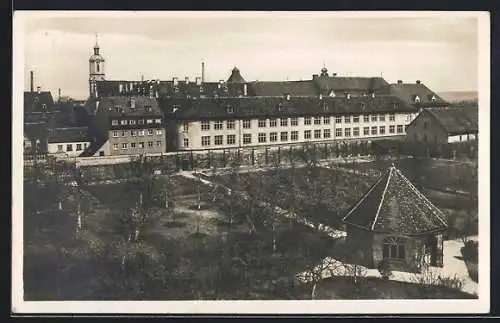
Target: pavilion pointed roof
(394, 205)
(236, 76)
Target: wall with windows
(217, 134)
(71, 149)
(137, 141)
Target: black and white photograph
(251, 162)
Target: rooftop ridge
(382, 197)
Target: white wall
(62, 148)
(461, 138)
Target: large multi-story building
(126, 126)
(249, 122)
(236, 113)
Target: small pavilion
(394, 221)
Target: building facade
(127, 126)
(251, 122)
(68, 142)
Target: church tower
(96, 69)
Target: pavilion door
(432, 249)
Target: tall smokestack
(32, 82)
(202, 72)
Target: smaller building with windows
(68, 142)
(127, 126)
(444, 125)
(395, 222)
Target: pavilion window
(394, 248)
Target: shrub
(470, 250)
(384, 269)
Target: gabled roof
(394, 205)
(70, 134)
(35, 102)
(253, 107)
(344, 84)
(456, 120)
(409, 91)
(121, 106)
(294, 88)
(235, 76)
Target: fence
(210, 159)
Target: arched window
(97, 67)
(394, 248)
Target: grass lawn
(376, 288)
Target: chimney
(59, 94)
(198, 80)
(245, 90)
(32, 82)
(220, 83)
(400, 82)
(203, 72)
(38, 89)
(176, 81)
(187, 79)
(334, 74)
(418, 81)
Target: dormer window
(332, 94)
(288, 97)
(432, 97)
(280, 106)
(395, 106)
(416, 99)
(176, 89)
(44, 106)
(325, 107)
(201, 89)
(229, 109)
(362, 105)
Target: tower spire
(96, 41)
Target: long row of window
(294, 121)
(69, 147)
(141, 132)
(285, 136)
(133, 145)
(133, 122)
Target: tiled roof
(251, 107)
(408, 92)
(36, 130)
(456, 120)
(343, 83)
(235, 76)
(394, 205)
(34, 101)
(121, 105)
(72, 134)
(296, 88)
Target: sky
(439, 50)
